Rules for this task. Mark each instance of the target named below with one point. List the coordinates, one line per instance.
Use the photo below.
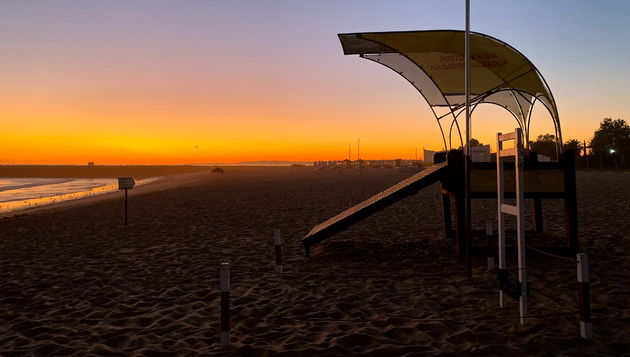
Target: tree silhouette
(612, 140)
(545, 144)
(574, 145)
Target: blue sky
(277, 67)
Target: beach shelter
(433, 62)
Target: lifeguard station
(434, 63)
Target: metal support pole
(537, 215)
(490, 248)
(446, 215)
(468, 159)
(570, 200)
(126, 207)
(501, 216)
(467, 70)
(520, 224)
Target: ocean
(22, 193)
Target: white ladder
(518, 211)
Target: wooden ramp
(343, 220)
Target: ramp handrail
(373, 204)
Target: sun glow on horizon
(153, 138)
(219, 82)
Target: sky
(180, 82)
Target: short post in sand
(126, 183)
(226, 318)
(490, 245)
(278, 243)
(586, 327)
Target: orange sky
(120, 83)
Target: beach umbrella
(218, 171)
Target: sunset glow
(207, 82)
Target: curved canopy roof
(433, 62)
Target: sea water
(22, 193)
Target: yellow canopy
(433, 62)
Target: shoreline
(20, 205)
(153, 185)
(140, 173)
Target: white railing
(518, 211)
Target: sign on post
(126, 183)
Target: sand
(160, 177)
(75, 281)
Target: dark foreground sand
(75, 281)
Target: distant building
(91, 164)
(481, 153)
(428, 155)
(362, 163)
(325, 164)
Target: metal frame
(419, 91)
(518, 211)
(524, 121)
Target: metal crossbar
(518, 211)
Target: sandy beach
(160, 176)
(75, 281)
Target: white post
(278, 244)
(586, 327)
(490, 250)
(520, 224)
(501, 215)
(226, 319)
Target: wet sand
(75, 281)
